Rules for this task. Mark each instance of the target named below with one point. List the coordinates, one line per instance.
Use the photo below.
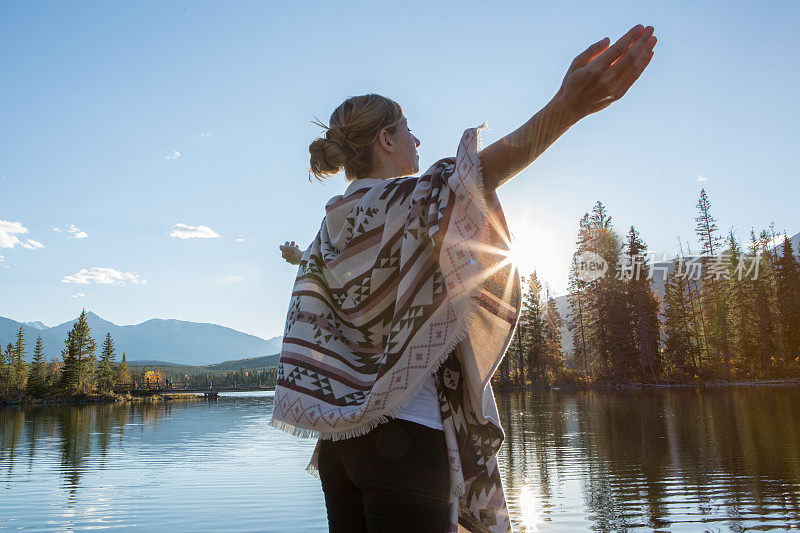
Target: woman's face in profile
(406, 155)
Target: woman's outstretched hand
(291, 253)
(602, 74)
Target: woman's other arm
(600, 75)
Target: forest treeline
(732, 312)
(79, 370)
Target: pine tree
(5, 370)
(742, 311)
(767, 300)
(123, 375)
(85, 347)
(531, 320)
(37, 379)
(576, 316)
(552, 334)
(70, 371)
(681, 351)
(695, 308)
(609, 321)
(644, 306)
(788, 295)
(105, 371)
(20, 368)
(714, 305)
(706, 227)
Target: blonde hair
(353, 129)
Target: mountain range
(174, 341)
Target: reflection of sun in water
(531, 509)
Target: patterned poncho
(407, 277)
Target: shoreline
(87, 399)
(107, 398)
(660, 386)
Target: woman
(405, 303)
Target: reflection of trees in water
(533, 452)
(75, 444)
(627, 459)
(12, 422)
(719, 453)
(80, 430)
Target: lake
(714, 459)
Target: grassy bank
(95, 397)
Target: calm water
(683, 460)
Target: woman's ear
(386, 141)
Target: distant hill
(175, 341)
(173, 369)
(247, 364)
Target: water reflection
(654, 459)
(690, 460)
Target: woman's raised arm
(600, 75)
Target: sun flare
(531, 509)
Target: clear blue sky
(119, 121)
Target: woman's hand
(596, 78)
(291, 253)
(602, 74)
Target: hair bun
(350, 135)
(327, 157)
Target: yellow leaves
(153, 376)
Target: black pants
(394, 478)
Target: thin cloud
(76, 232)
(227, 280)
(30, 244)
(77, 295)
(172, 155)
(204, 135)
(104, 276)
(184, 231)
(701, 178)
(9, 232)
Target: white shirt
(424, 407)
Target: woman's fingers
(614, 51)
(590, 53)
(630, 76)
(646, 40)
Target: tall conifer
(681, 351)
(644, 308)
(788, 295)
(123, 374)
(37, 379)
(20, 367)
(105, 369)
